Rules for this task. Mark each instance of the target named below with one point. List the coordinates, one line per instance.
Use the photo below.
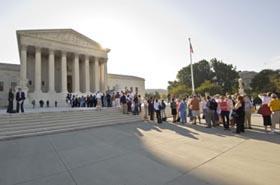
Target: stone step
(21, 116)
(24, 130)
(32, 119)
(60, 122)
(43, 123)
(59, 130)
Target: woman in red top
(224, 107)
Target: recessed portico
(61, 61)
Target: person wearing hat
(274, 106)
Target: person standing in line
(157, 108)
(248, 112)
(136, 106)
(113, 100)
(211, 109)
(151, 108)
(117, 98)
(203, 105)
(183, 111)
(224, 107)
(99, 101)
(173, 109)
(20, 97)
(162, 111)
(240, 111)
(274, 106)
(123, 101)
(146, 109)
(194, 105)
(265, 111)
(11, 101)
(140, 102)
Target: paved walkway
(143, 154)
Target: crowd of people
(230, 111)
(126, 100)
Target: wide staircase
(41, 123)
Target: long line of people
(230, 111)
(94, 100)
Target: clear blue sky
(148, 38)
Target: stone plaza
(143, 153)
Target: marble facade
(54, 62)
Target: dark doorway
(69, 84)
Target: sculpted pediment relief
(64, 36)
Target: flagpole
(191, 51)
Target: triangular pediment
(66, 36)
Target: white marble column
(38, 78)
(64, 72)
(51, 71)
(105, 75)
(92, 76)
(96, 73)
(23, 66)
(76, 74)
(87, 85)
(102, 87)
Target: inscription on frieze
(67, 38)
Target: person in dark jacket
(240, 114)
(151, 108)
(11, 101)
(20, 97)
(173, 109)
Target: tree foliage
(212, 77)
(202, 71)
(180, 90)
(209, 87)
(152, 95)
(266, 81)
(226, 75)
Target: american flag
(191, 49)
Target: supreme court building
(54, 62)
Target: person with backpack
(212, 108)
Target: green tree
(276, 82)
(153, 95)
(266, 81)
(180, 90)
(172, 84)
(209, 87)
(201, 72)
(226, 75)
